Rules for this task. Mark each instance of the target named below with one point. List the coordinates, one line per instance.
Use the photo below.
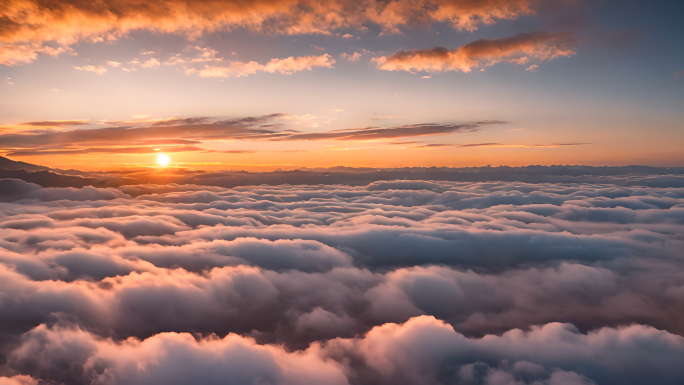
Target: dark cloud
(427, 351)
(112, 150)
(168, 359)
(231, 129)
(56, 123)
(423, 350)
(183, 135)
(169, 141)
(378, 133)
(494, 144)
(15, 189)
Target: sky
(140, 246)
(273, 84)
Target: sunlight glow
(163, 160)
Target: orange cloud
(485, 52)
(25, 25)
(462, 14)
(17, 54)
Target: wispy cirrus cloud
(518, 49)
(382, 133)
(56, 123)
(106, 150)
(494, 144)
(144, 135)
(178, 135)
(142, 130)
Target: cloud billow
(397, 281)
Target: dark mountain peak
(9, 164)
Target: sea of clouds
(393, 282)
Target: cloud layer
(399, 281)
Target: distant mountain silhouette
(624, 175)
(9, 164)
(46, 176)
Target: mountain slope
(9, 164)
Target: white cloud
(150, 63)
(532, 68)
(286, 66)
(352, 57)
(99, 70)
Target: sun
(163, 160)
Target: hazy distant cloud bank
(405, 281)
